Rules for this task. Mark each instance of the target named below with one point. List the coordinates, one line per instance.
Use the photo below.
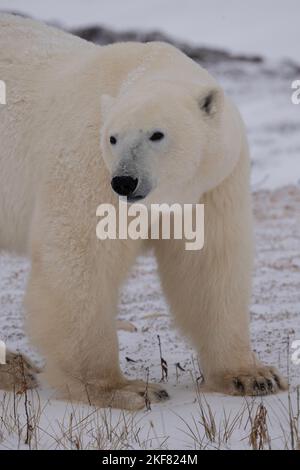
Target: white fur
(62, 93)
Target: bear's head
(161, 140)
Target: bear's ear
(210, 100)
(107, 102)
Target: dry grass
(205, 430)
(27, 421)
(246, 428)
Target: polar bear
(82, 125)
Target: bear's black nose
(124, 185)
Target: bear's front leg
(71, 303)
(209, 292)
(210, 302)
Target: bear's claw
(162, 394)
(265, 381)
(256, 381)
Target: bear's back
(24, 39)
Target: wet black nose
(124, 185)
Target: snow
(267, 27)
(263, 94)
(275, 323)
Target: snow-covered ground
(180, 422)
(263, 94)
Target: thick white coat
(65, 97)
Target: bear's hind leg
(18, 373)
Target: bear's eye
(156, 136)
(113, 140)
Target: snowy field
(189, 419)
